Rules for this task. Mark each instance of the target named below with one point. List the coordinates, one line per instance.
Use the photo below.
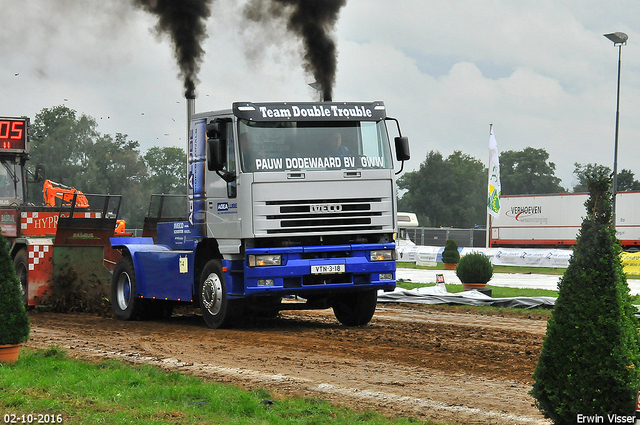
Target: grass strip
(501, 269)
(498, 291)
(48, 382)
(496, 269)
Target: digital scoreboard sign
(13, 133)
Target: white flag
(493, 200)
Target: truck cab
(13, 155)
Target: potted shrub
(450, 255)
(474, 271)
(14, 320)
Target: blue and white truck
(292, 201)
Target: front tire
(355, 309)
(214, 303)
(125, 304)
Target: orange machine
(57, 194)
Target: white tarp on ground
(511, 280)
(438, 295)
(520, 257)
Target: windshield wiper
(10, 171)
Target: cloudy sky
(540, 71)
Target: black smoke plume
(313, 21)
(184, 21)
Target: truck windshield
(9, 180)
(313, 145)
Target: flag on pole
(493, 200)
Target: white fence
(437, 236)
(521, 257)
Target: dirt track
(424, 363)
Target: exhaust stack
(191, 109)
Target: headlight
(265, 260)
(383, 255)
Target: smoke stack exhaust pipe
(191, 109)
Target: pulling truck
(291, 206)
(46, 242)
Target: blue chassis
(165, 273)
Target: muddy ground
(409, 361)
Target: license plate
(328, 269)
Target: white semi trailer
(555, 219)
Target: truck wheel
(355, 309)
(20, 265)
(125, 304)
(214, 304)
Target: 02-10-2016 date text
(33, 418)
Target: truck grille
(354, 213)
(326, 215)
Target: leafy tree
(115, 164)
(76, 155)
(446, 192)
(626, 178)
(590, 358)
(60, 141)
(167, 170)
(627, 181)
(528, 172)
(117, 168)
(424, 188)
(582, 173)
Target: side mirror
(40, 173)
(216, 155)
(402, 148)
(216, 145)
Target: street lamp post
(619, 39)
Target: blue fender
(161, 273)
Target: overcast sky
(540, 71)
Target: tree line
(447, 192)
(75, 154)
(452, 191)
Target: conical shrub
(450, 254)
(590, 357)
(14, 320)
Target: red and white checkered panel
(36, 254)
(46, 223)
(39, 270)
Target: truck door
(222, 206)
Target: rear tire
(355, 309)
(212, 293)
(20, 264)
(125, 304)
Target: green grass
(498, 291)
(496, 269)
(112, 392)
(501, 269)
